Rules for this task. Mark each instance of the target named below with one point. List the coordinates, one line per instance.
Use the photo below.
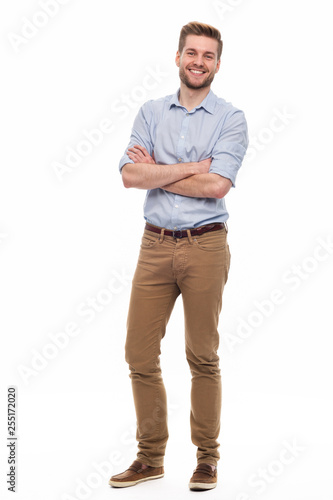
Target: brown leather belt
(182, 234)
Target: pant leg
(202, 286)
(154, 292)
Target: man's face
(198, 62)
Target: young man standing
(185, 150)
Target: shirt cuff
(225, 171)
(124, 159)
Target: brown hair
(200, 29)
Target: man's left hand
(139, 154)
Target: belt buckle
(179, 231)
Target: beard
(195, 86)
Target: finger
(137, 155)
(142, 149)
(134, 159)
(134, 150)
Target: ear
(218, 66)
(177, 60)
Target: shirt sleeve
(231, 146)
(140, 133)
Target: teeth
(196, 72)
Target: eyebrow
(207, 52)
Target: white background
(66, 239)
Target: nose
(198, 60)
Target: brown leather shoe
(136, 474)
(204, 478)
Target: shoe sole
(202, 486)
(125, 484)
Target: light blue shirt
(214, 129)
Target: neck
(190, 98)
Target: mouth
(197, 72)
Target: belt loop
(226, 226)
(161, 238)
(189, 235)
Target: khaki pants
(196, 267)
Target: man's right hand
(203, 166)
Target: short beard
(185, 81)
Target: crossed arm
(188, 179)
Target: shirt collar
(208, 103)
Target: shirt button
(182, 137)
(179, 159)
(176, 206)
(175, 227)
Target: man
(185, 149)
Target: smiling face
(198, 62)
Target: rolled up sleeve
(231, 146)
(140, 133)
